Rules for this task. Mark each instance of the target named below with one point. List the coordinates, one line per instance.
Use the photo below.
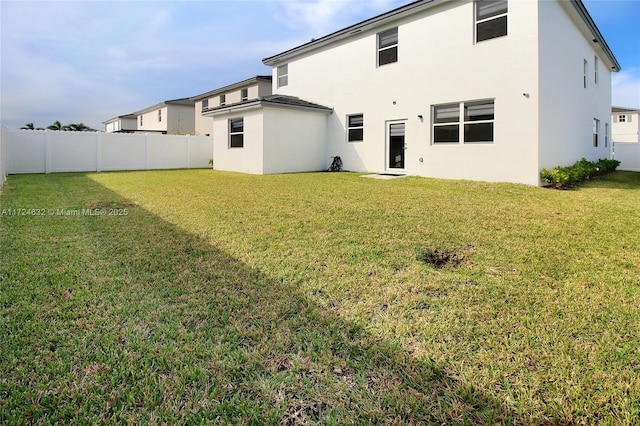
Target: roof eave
(598, 38)
(233, 86)
(348, 31)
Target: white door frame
(387, 150)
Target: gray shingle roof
(271, 100)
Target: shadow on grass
(130, 319)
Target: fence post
(146, 151)
(188, 151)
(98, 151)
(47, 151)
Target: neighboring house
(480, 90)
(121, 124)
(252, 88)
(174, 117)
(625, 125)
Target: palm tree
(55, 126)
(28, 126)
(79, 127)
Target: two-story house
(251, 88)
(173, 117)
(122, 124)
(491, 90)
(625, 125)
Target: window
(595, 69)
(478, 121)
(223, 100)
(205, 104)
(622, 118)
(159, 116)
(236, 133)
(606, 135)
(596, 130)
(585, 71)
(491, 19)
(141, 120)
(355, 128)
(476, 124)
(283, 75)
(446, 123)
(388, 47)
(244, 94)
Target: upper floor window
(236, 133)
(141, 120)
(244, 94)
(283, 75)
(388, 47)
(596, 132)
(205, 104)
(585, 72)
(223, 100)
(622, 118)
(355, 128)
(159, 116)
(475, 124)
(491, 19)
(595, 69)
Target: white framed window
(283, 75)
(205, 104)
(595, 69)
(388, 47)
(596, 132)
(622, 118)
(606, 135)
(159, 116)
(355, 128)
(141, 120)
(585, 73)
(466, 122)
(244, 94)
(223, 100)
(490, 19)
(236, 133)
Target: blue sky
(89, 61)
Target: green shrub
(583, 170)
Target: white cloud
(625, 88)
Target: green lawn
(308, 299)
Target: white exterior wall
(629, 131)
(294, 141)
(248, 159)
(180, 119)
(150, 120)
(438, 63)
(120, 124)
(567, 109)
(204, 125)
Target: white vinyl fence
(3, 168)
(33, 151)
(628, 153)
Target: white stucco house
(251, 88)
(625, 125)
(121, 124)
(173, 117)
(491, 90)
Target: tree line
(73, 127)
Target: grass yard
(309, 299)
